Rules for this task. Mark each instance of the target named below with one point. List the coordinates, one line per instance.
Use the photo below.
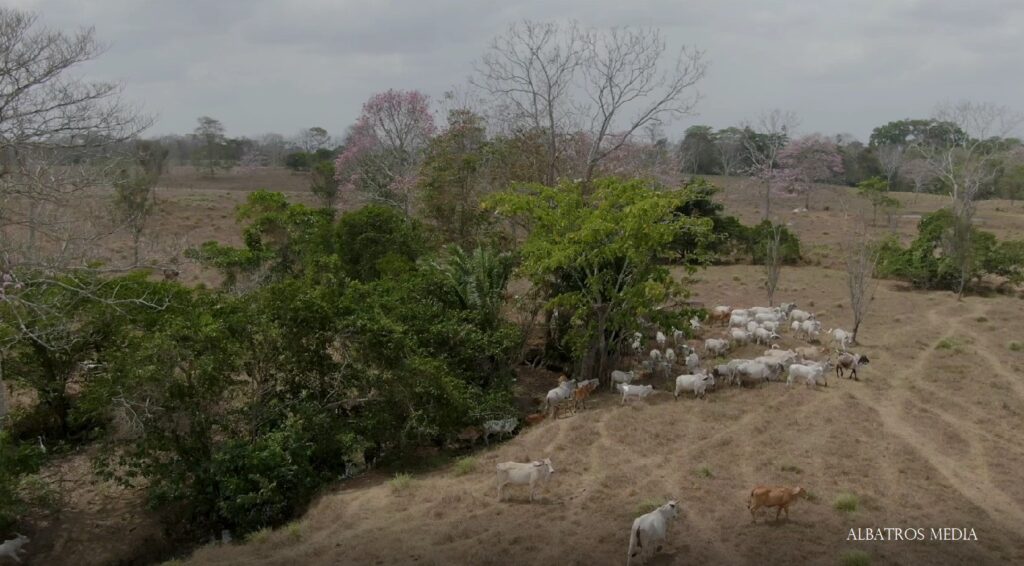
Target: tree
(876, 191)
(772, 262)
(624, 71)
(937, 131)
(890, 158)
(966, 162)
(1010, 184)
(861, 257)
(529, 71)
(323, 183)
(918, 173)
(763, 142)
(211, 155)
(385, 147)
(60, 135)
(457, 174)
(698, 153)
(731, 151)
(599, 258)
(133, 191)
(806, 161)
(314, 139)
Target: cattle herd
(810, 365)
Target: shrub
(846, 502)
(758, 236)
(464, 466)
(791, 468)
(401, 482)
(1016, 346)
(704, 472)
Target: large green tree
(600, 257)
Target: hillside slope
(929, 438)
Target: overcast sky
(279, 66)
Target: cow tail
(634, 543)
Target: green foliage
(298, 161)
(456, 174)
(377, 240)
(16, 462)
(323, 183)
(758, 237)
(339, 359)
(875, 190)
(464, 466)
(599, 258)
(727, 234)
(647, 505)
(931, 262)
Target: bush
(377, 240)
(16, 462)
(298, 161)
(846, 502)
(757, 237)
(464, 466)
(401, 482)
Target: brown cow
(582, 392)
(773, 496)
(534, 418)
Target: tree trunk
(3, 395)
(856, 327)
(767, 199)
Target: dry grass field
(930, 436)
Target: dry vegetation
(929, 437)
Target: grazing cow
(638, 391)
(649, 529)
(561, 393)
(517, 473)
(619, 376)
(660, 339)
(698, 383)
(775, 496)
(720, 314)
(499, 427)
(850, 361)
(715, 347)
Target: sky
(282, 66)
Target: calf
(776, 496)
(516, 473)
(650, 528)
(583, 390)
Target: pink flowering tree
(384, 149)
(806, 161)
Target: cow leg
(753, 517)
(777, 511)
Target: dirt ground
(929, 438)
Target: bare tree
(890, 158)
(773, 261)
(529, 70)
(967, 164)
(60, 136)
(861, 257)
(771, 134)
(623, 71)
(918, 173)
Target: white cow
(649, 529)
(841, 338)
(698, 383)
(619, 376)
(692, 362)
(660, 339)
(638, 391)
(563, 392)
(517, 473)
(715, 347)
(12, 547)
(799, 315)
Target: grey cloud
(274, 65)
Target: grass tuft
(648, 505)
(854, 558)
(704, 472)
(1016, 346)
(792, 468)
(847, 502)
(259, 537)
(464, 466)
(293, 530)
(401, 482)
